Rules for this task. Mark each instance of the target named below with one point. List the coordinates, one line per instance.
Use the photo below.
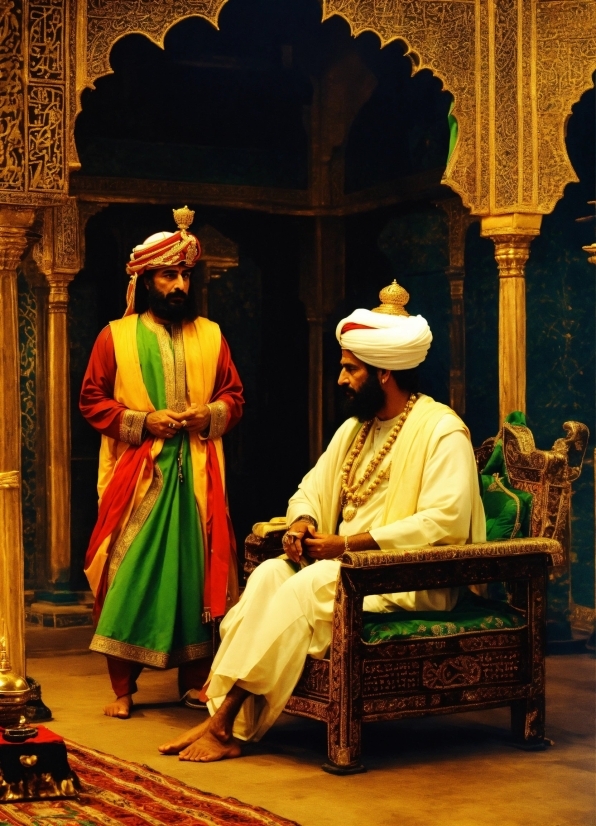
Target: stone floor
(451, 771)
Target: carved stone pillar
(321, 287)
(512, 235)
(58, 428)
(14, 223)
(458, 221)
(58, 257)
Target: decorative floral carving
(452, 672)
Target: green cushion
(507, 509)
(472, 613)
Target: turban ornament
(163, 249)
(387, 337)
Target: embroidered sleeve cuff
(306, 518)
(219, 419)
(131, 426)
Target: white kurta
(283, 616)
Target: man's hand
(323, 545)
(195, 418)
(292, 539)
(163, 423)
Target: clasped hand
(302, 539)
(166, 423)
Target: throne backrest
(546, 474)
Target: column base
(45, 614)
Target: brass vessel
(14, 693)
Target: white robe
(283, 616)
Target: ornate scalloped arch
(152, 19)
(515, 68)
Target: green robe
(153, 607)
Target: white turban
(389, 342)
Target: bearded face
(168, 293)
(365, 401)
(173, 307)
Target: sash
(126, 471)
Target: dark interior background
(227, 106)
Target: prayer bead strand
(350, 499)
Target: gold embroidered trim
(219, 419)
(171, 348)
(155, 659)
(496, 485)
(131, 427)
(191, 652)
(135, 523)
(179, 369)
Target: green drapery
(153, 607)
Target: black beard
(161, 306)
(366, 402)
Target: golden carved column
(58, 257)
(512, 235)
(58, 428)
(14, 223)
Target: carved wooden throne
(362, 682)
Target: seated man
(400, 472)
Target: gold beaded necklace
(350, 499)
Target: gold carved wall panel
(33, 104)
(153, 19)
(12, 130)
(514, 67)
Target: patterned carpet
(115, 792)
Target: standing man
(399, 473)
(162, 390)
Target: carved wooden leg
(527, 723)
(344, 726)
(344, 753)
(527, 716)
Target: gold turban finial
(393, 300)
(183, 217)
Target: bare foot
(176, 746)
(210, 747)
(120, 707)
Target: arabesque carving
(514, 67)
(12, 141)
(153, 20)
(46, 36)
(45, 117)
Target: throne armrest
(442, 553)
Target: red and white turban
(389, 342)
(163, 249)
